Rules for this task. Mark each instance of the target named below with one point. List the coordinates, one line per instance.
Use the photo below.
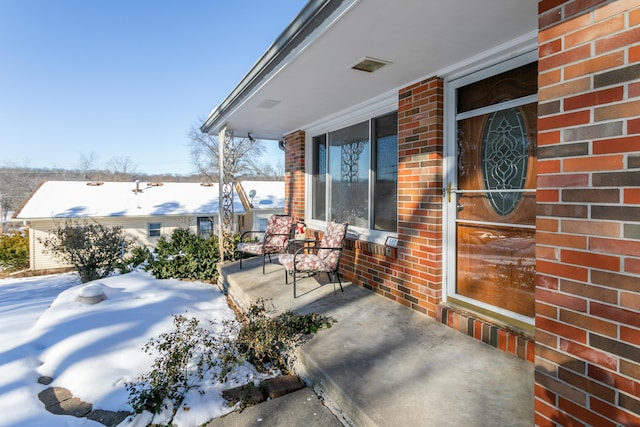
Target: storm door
(491, 197)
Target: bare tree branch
(122, 167)
(87, 164)
(204, 154)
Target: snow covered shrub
(185, 355)
(139, 256)
(93, 250)
(185, 255)
(192, 352)
(14, 251)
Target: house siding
(588, 246)
(134, 228)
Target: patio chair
(276, 236)
(323, 257)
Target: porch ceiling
(419, 38)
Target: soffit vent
(369, 65)
(268, 104)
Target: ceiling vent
(268, 104)
(369, 64)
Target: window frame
(378, 107)
(151, 228)
(209, 219)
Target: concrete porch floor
(383, 364)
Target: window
(154, 229)
(385, 189)
(262, 224)
(355, 174)
(319, 177)
(205, 227)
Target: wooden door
(495, 195)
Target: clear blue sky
(123, 78)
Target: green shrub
(93, 250)
(14, 251)
(187, 354)
(267, 342)
(185, 255)
(138, 256)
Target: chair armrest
(250, 232)
(305, 244)
(317, 248)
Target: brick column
(588, 228)
(294, 174)
(418, 281)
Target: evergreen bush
(185, 255)
(14, 251)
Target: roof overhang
(308, 73)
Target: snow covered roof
(268, 194)
(81, 199)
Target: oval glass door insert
(505, 149)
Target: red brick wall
(588, 228)
(294, 174)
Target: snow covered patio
(383, 364)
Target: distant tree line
(18, 182)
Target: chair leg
(241, 260)
(294, 283)
(286, 277)
(335, 273)
(263, 264)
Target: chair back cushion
(332, 238)
(278, 231)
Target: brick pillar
(418, 281)
(588, 228)
(294, 174)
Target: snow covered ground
(93, 350)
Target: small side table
(301, 243)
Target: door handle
(447, 192)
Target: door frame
(449, 180)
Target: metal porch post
(225, 180)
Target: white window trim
(375, 107)
(449, 163)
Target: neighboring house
(260, 199)
(145, 211)
(499, 142)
